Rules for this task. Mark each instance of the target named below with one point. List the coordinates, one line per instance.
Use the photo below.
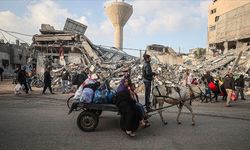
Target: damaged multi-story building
(12, 56)
(228, 26)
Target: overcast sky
(175, 23)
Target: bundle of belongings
(91, 91)
(18, 89)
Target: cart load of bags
(91, 91)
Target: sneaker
(228, 105)
(53, 93)
(243, 99)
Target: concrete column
(118, 37)
(239, 46)
(225, 44)
(40, 64)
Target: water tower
(118, 12)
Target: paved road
(38, 121)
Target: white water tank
(118, 12)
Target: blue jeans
(65, 85)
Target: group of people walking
(25, 78)
(221, 86)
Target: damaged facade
(164, 55)
(228, 26)
(12, 56)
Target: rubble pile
(71, 49)
(234, 61)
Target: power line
(4, 36)
(15, 37)
(16, 33)
(132, 49)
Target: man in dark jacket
(207, 77)
(21, 77)
(147, 75)
(240, 84)
(47, 81)
(229, 86)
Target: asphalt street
(41, 122)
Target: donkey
(177, 95)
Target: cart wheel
(87, 121)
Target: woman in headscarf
(130, 117)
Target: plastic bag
(212, 86)
(87, 95)
(18, 89)
(103, 96)
(78, 93)
(233, 96)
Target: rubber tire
(87, 121)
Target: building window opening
(5, 63)
(20, 56)
(212, 28)
(232, 45)
(213, 11)
(217, 18)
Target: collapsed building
(72, 49)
